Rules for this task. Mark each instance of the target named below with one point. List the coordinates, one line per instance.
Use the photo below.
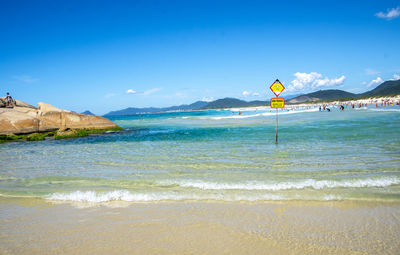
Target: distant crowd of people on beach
(384, 102)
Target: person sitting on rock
(10, 102)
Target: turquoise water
(214, 155)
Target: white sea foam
(309, 183)
(124, 195)
(332, 197)
(384, 110)
(272, 113)
(291, 111)
(235, 117)
(249, 109)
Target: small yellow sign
(277, 87)
(277, 103)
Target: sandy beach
(336, 227)
(357, 103)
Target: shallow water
(214, 155)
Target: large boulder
(63, 120)
(23, 104)
(25, 120)
(49, 108)
(17, 122)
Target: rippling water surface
(214, 155)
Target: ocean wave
(331, 198)
(309, 183)
(248, 109)
(384, 110)
(124, 195)
(273, 113)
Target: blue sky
(109, 55)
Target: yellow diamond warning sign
(277, 87)
(277, 103)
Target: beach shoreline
(376, 102)
(373, 101)
(37, 226)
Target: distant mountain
(385, 89)
(195, 106)
(185, 107)
(232, 102)
(330, 94)
(199, 105)
(287, 98)
(88, 112)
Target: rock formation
(25, 119)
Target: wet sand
(36, 226)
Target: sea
(217, 155)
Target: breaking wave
(264, 114)
(384, 110)
(310, 183)
(124, 195)
(215, 191)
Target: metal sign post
(276, 128)
(277, 102)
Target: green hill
(330, 94)
(184, 107)
(385, 89)
(232, 102)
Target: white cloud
(145, 93)
(377, 81)
(390, 14)
(130, 91)
(246, 93)
(256, 94)
(303, 80)
(26, 78)
(396, 76)
(207, 99)
(313, 80)
(329, 82)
